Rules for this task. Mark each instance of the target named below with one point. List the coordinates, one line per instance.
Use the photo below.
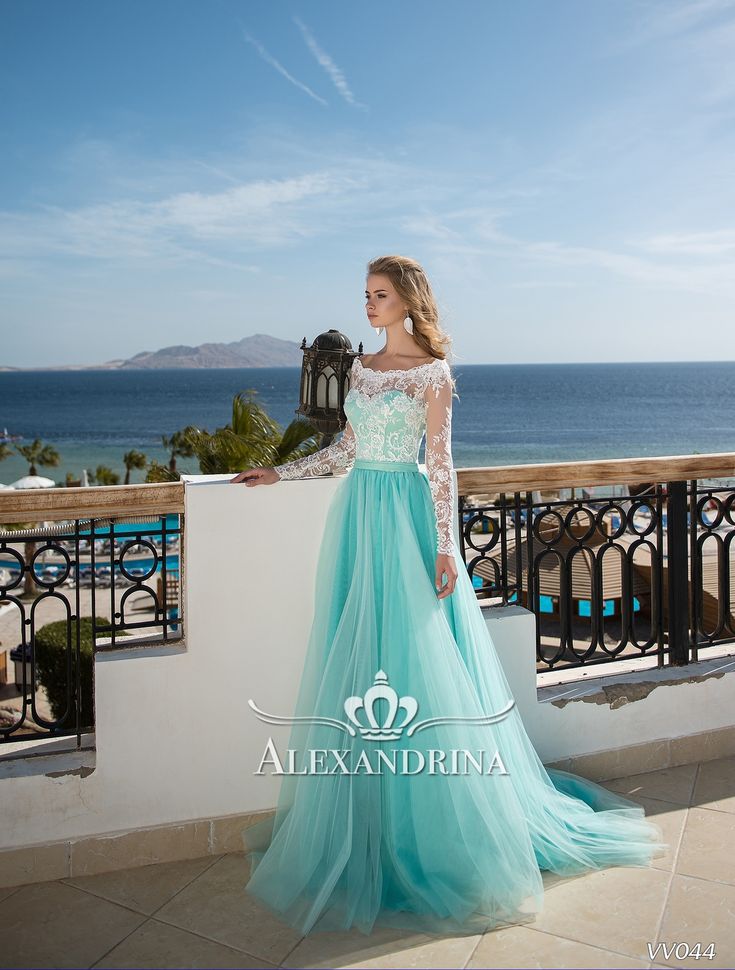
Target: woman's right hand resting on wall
(256, 476)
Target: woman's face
(382, 304)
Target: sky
(176, 172)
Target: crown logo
(388, 730)
(381, 690)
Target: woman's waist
(386, 465)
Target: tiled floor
(195, 914)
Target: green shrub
(56, 655)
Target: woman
(438, 815)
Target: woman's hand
(256, 476)
(445, 564)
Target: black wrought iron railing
(638, 565)
(73, 584)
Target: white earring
(379, 331)
(408, 325)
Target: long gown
(366, 837)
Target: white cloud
(361, 195)
(696, 37)
(665, 18)
(717, 243)
(260, 213)
(269, 59)
(324, 60)
(475, 250)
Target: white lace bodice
(388, 413)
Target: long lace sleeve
(439, 466)
(340, 454)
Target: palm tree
(132, 459)
(160, 473)
(178, 446)
(102, 475)
(38, 454)
(252, 439)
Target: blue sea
(506, 413)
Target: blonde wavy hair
(413, 287)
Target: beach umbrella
(34, 481)
(85, 478)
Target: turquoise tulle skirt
(372, 835)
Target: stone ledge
(629, 687)
(611, 763)
(53, 757)
(112, 851)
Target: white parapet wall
(175, 737)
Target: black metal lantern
(325, 381)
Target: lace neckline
(399, 370)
